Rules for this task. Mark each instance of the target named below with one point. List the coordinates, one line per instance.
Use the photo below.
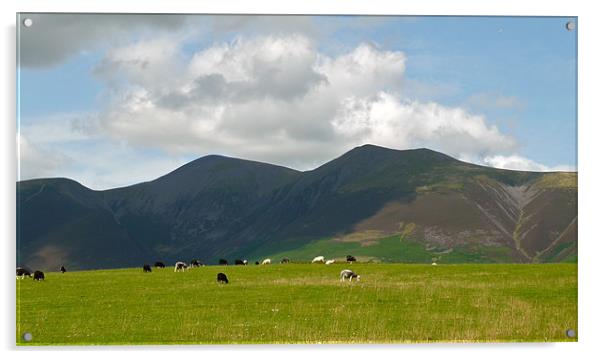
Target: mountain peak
(374, 152)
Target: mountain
(376, 203)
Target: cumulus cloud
(278, 99)
(55, 38)
(520, 163)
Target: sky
(114, 100)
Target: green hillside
(393, 249)
(301, 303)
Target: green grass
(394, 249)
(302, 303)
(567, 180)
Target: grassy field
(392, 249)
(302, 303)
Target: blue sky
(123, 100)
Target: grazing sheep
(239, 262)
(180, 266)
(285, 260)
(348, 274)
(266, 261)
(221, 278)
(22, 273)
(256, 263)
(434, 264)
(329, 262)
(146, 268)
(63, 270)
(223, 262)
(38, 275)
(195, 263)
(318, 259)
(350, 259)
(245, 262)
(159, 265)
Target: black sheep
(223, 262)
(350, 258)
(221, 278)
(147, 268)
(38, 275)
(239, 262)
(63, 270)
(159, 265)
(22, 272)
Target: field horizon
(301, 303)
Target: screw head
(27, 336)
(27, 22)
(570, 26)
(570, 333)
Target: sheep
(146, 268)
(434, 264)
(256, 263)
(239, 262)
(348, 274)
(329, 262)
(221, 278)
(159, 265)
(285, 260)
(350, 259)
(266, 261)
(180, 266)
(195, 263)
(223, 262)
(318, 259)
(22, 273)
(63, 270)
(38, 275)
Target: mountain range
(375, 203)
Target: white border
(590, 155)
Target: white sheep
(266, 261)
(348, 274)
(180, 266)
(329, 262)
(319, 259)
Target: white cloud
(277, 99)
(519, 163)
(36, 161)
(387, 121)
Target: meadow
(301, 303)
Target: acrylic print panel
(196, 179)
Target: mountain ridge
(222, 206)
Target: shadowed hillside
(385, 205)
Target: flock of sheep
(37, 275)
(345, 274)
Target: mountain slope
(412, 205)
(61, 222)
